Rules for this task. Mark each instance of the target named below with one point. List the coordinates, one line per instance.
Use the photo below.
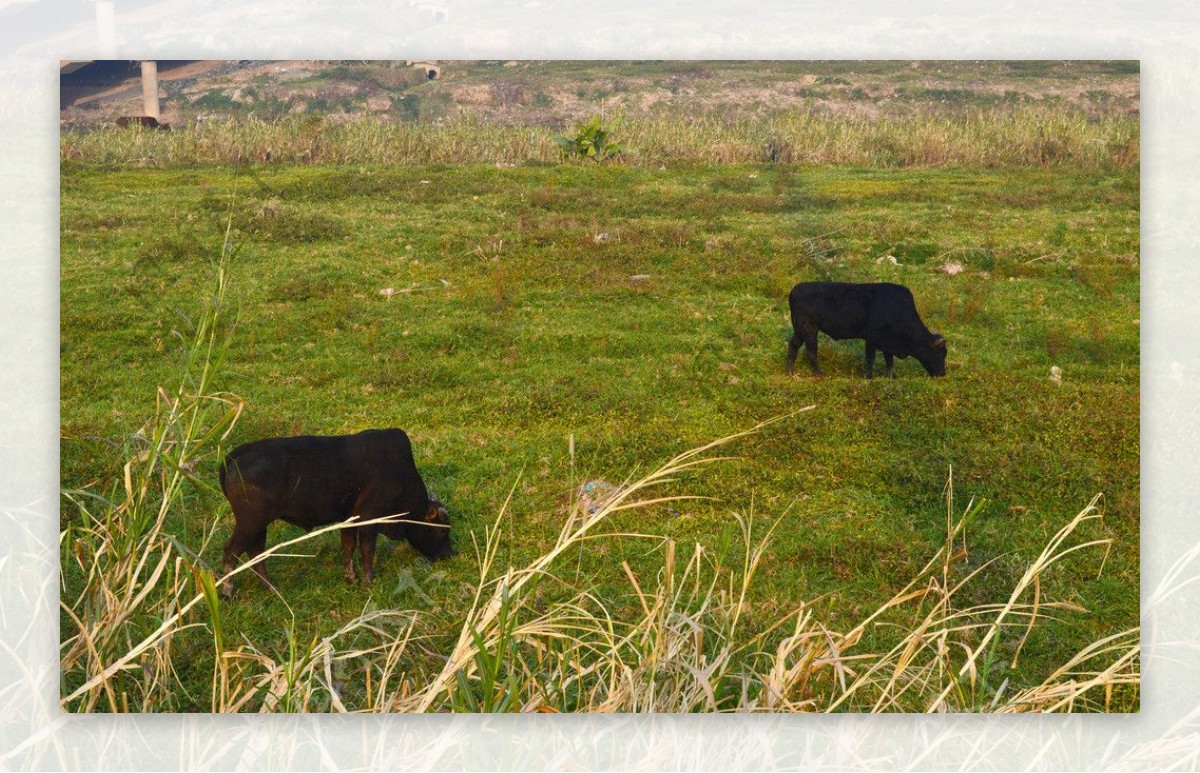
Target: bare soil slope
(555, 93)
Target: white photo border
(1163, 34)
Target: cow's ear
(938, 342)
(432, 514)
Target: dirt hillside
(555, 93)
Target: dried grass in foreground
(688, 649)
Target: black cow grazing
(884, 314)
(314, 481)
(147, 121)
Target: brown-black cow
(146, 121)
(313, 481)
(883, 314)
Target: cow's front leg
(349, 537)
(869, 367)
(887, 360)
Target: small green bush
(592, 139)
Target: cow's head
(431, 533)
(933, 355)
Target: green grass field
(634, 312)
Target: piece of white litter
(595, 494)
(424, 182)
(888, 259)
(639, 277)
(953, 268)
(390, 291)
(1056, 374)
(600, 238)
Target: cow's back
(272, 462)
(838, 309)
(312, 480)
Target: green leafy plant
(592, 139)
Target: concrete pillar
(150, 88)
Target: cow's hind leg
(257, 546)
(869, 366)
(810, 351)
(349, 538)
(366, 549)
(887, 360)
(804, 333)
(794, 344)
(251, 540)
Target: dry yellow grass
(1032, 137)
